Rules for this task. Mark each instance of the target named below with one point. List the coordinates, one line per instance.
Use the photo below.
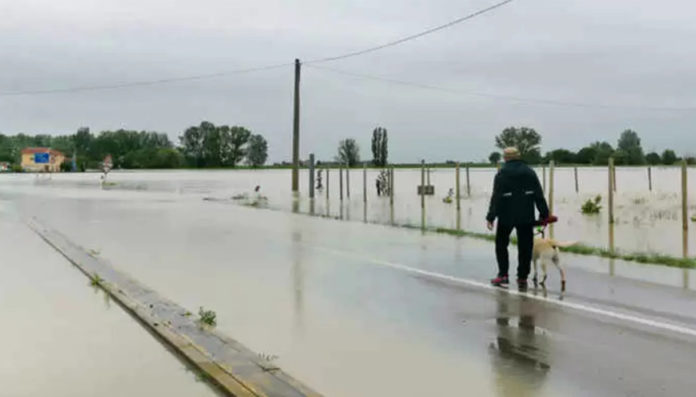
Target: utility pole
(296, 131)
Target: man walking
(516, 191)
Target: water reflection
(518, 354)
(297, 278)
(612, 262)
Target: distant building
(41, 159)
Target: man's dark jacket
(516, 190)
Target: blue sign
(41, 158)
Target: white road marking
(473, 283)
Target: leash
(543, 223)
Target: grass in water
(581, 249)
(96, 280)
(207, 317)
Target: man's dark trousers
(525, 245)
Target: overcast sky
(631, 56)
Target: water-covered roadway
(354, 309)
(62, 337)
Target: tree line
(206, 145)
(628, 150)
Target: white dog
(546, 251)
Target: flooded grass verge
(581, 249)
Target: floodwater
(646, 221)
(62, 337)
(354, 309)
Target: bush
(66, 166)
(17, 168)
(592, 206)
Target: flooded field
(646, 221)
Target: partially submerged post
(422, 192)
(611, 190)
(684, 196)
(340, 183)
(391, 195)
(543, 171)
(365, 192)
(456, 184)
(365, 184)
(468, 185)
(311, 176)
(649, 178)
(327, 183)
(391, 187)
(296, 131)
(348, 181)
(551, 171)
(551, 180)
(577, 187)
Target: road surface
(363, 310)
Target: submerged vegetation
(207, 317)
(591, 206)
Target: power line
(144, 82)
(255, 69)
(411, 37)
(540, 101)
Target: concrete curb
(227, 363)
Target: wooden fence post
(311, 176)
(422, 192)
(612, 185)
(649, 178)
(365, 183)
(543, 171)
(456, 184)
(340, 183)
(577, 187)
(684, 196)
(468, 185)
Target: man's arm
(539, 199)
(492, 207)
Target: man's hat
(511, 153)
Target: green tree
(236, 144)
(348, 152)
(653, 158)
(257, 152)
(83, 143)
(494, 157)
(192, 145)
(561, 156)
(586, 155)
(603, 151)
(630, 148)
(669, 157)
(379, 147)
(525, 139)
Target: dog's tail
(562, 244)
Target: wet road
(354, 309)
